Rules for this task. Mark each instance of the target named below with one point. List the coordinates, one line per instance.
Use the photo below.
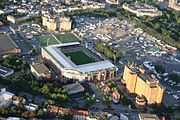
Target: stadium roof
(67, 63)
(6, 44)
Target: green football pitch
(79, 57)
(47, 40)
(66, 38)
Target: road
(19, 40)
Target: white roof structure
(5, 71)
(65, 62)
(6, 95)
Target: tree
(160, 69)
(108, 51)
(45, 89)
(3, 111)
(175, 77)
(41, 113)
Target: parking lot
(135, 45)
(19, 40)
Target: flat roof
(65, 62)
(6, 44)
(145, 116)
(4, 70)
(144, 76)
(74, 88)
(41, 68)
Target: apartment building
(138, 82)
(142, 9)
(56, 22)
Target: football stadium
(74, 61)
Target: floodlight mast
(47, 41)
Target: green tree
(3, 111)
(45, 89)
(41, 113)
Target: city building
(54, 110)
(145, 116)
(138, 82)
(5, 98)
(39, 70)
(56, 22)
(138, 116)
(16, 18)
(142, 9)
(8, 46)
(4, 72)
(6, 11)
(73, 88)
(91, 5)
(74, 61)
(112, 1)
(140, 102)
(31, 107)
(174, 4)
(17, 100)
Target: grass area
(79, 57)
(66, 38)
(47, 38)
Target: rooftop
(80, 112)
(4, 71)
(145, 116)
(41, 68)
(146, 77)
(74, 88)
(143, 76)
(6, 44)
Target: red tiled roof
(116, 95)
(80, 112)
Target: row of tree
(92, 12)
(109, 52)
(24, 82)
(89, 99)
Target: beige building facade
(143, 85)
(59, 23)
(142, 10)
(174, 4)
(16, 19)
